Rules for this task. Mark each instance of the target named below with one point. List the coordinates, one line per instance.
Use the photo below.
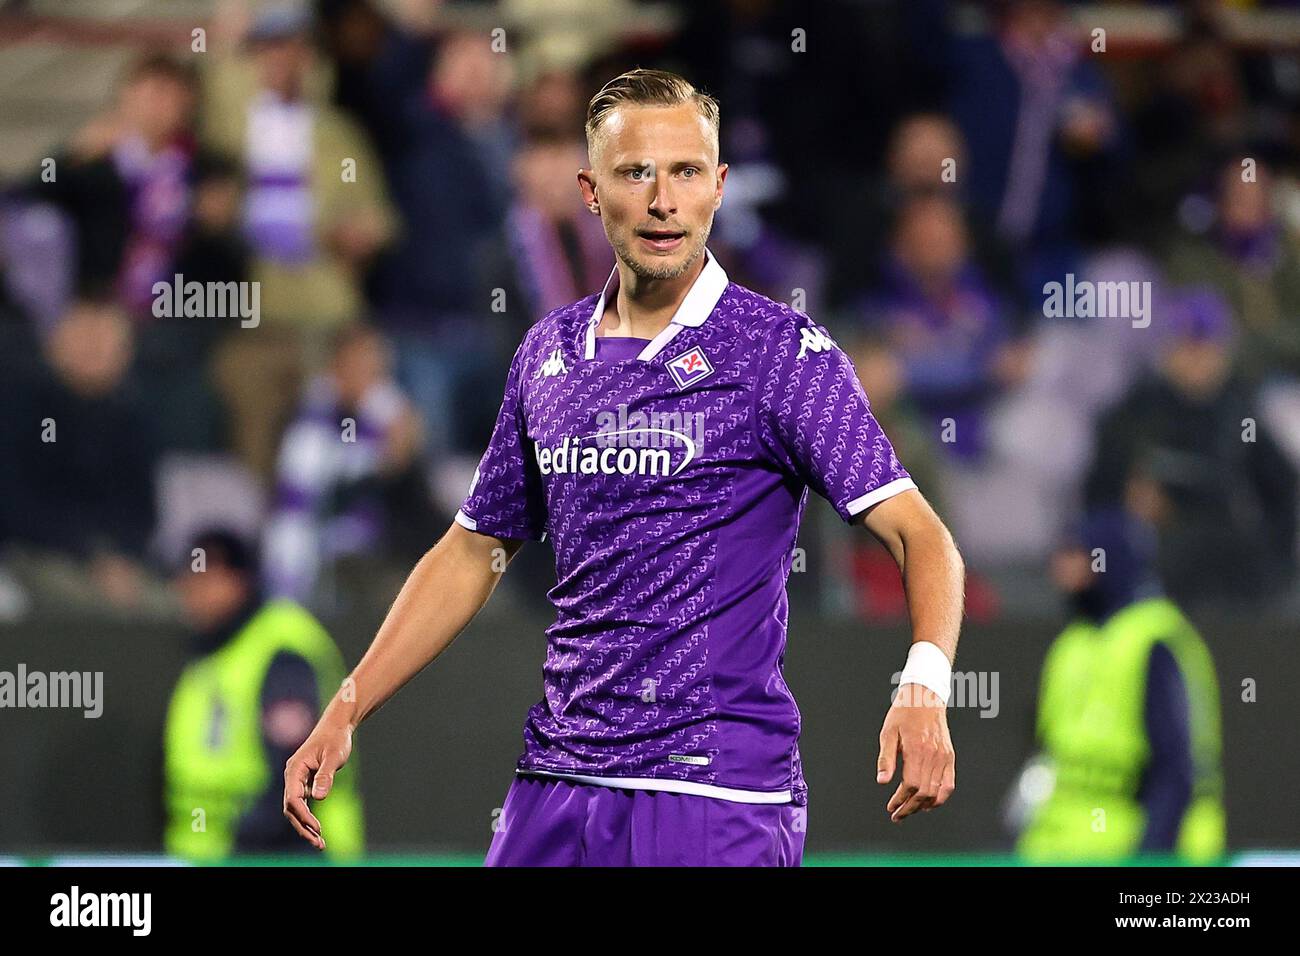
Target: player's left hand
(916, 730)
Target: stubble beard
(655, 269)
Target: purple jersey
(670, 476)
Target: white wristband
(928, 666)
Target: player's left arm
(814, 422)
(916, 726)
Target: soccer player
(662, 436)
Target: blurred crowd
(402, 193)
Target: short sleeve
(506, 498)
(814, 420)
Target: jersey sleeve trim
(887, 490)
(498, 531)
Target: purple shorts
(554, 822)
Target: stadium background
(834, 202)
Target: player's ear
(587, 184)
(722, 177)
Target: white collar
(698, 305)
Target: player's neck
(644, 306)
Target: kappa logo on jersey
(814, 340)
(554, 365)
(689, 367)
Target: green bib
(216, 765)
(1091, 723)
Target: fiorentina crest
(689, 367)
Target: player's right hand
(310, 773)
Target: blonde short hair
(648, 88)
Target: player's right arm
(448, 586)
(505, 507)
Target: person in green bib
(1128, 713)
(262, 672)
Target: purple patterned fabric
(559, 823)
(671, 483)
(160, 205)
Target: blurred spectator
(261, 674)
(559, 247)
(315, 214)
(434, 289)
(925, 156)
(473, 84)
(1193, 107)
(1128, 712)
(1184, 450)
(1253, 261)
(349, 479)
(315, 210)
(552, 105)
(1039, 126)
(123, 182)
(174, 362)
(76, 492)
(371, 58)
(921, 149)
(213, 247)
(950, 331)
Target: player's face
(655, 182)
